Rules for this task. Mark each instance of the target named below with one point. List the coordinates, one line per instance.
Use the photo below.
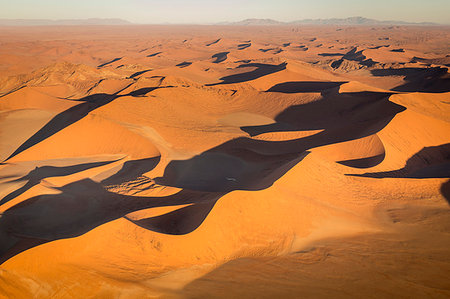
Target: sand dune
(224, 161)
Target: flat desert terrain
(225, 162)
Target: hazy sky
(210, 11)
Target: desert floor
(224, 161)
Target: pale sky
(212, 11)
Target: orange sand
(230, 162)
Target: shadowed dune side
(430, 162)
(445, 191)
(352, 55)
(154, 54)
(80, 207)
(74, 114)
(267, 49)
(109, 62)
(442, 60)
(214, 42)
(364, 162)
(142, 92)
(302, 48)
(330, 54)
(131, 170)
(434, 80)
(358, 153)
(65, 119)
(260, 71)
(184, 64)
(220, 57)
(35, 176)
(244, 46)
(343, 116)
(179, 222)
(19, 124)
(305, 86)
(230, 166)
(139, 73)
(273, 50)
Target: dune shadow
(244, 46)
(65, 119)
(331, 54)
(303, 86)
(74, 114)
(260, 71)
(214, 42)
(154, 54)
(364, 162)
(234, 165)
(267, 50)
(343, 116)
(429, 61)
(353, 55)
(430, 162)
(142, 92)
(220, 57)
(109, 62)
(434, 79)
(35, 176)
(445, 191)
(139, 73)
(131, 170)
(184, 64)
(179, 222)
(78, 208)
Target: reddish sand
(231, 162)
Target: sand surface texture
(229, 162)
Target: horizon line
(281, 23)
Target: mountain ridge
(330, 21)
(246, 22)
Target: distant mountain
(253, 22)
(355, 21)
(334, 21)
(44, 22)
(247, 22)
